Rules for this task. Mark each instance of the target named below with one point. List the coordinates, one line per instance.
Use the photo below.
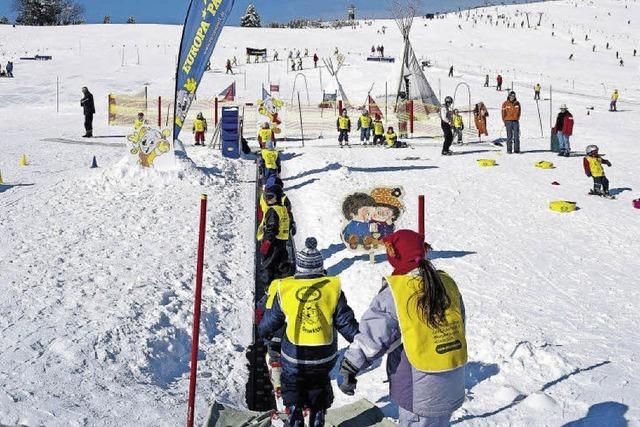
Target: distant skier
(458, 125)
(511, 111)
(571, 57)
(315, 60)
(275, 55)
(617, 54)
(293, 64)
(593, 168)
(364, 126)
(382, 48)
(88, 109)
(635, 51)
(343, 125)
(622, 63)
(235, 61)
(378, 131)
(451, 71)
(299, 64)
(486, 80)
(228, 67)
(306, 52)
(536, 92)
(312, 309)
(199, 128)
(499, 82)
(614, 101)
(563, 130)
(10, 68)
(445, 124)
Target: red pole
(196, 312)
(159, 111)
(411, 117)
(421, 215)
(215, 112)
(340, 107)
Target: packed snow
(97, 266)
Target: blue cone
(94, 163)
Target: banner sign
(256, 52)
(202, 28)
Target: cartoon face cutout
(309, 316)
(148, 143)
(364, 214)
(383, 214)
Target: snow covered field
(97, 265)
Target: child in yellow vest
(390, 137)
(458, 125)
(343, 124)
(140, 121)
(200, 128)
(378, 131)
(592, 164)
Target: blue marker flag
(202, 28)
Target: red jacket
(564, 123)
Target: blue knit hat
(309, 260)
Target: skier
(480, 115)
(306, 52)
(364, 126)
(88, 109)
(445, 124)
(269, 163)
(458, 125)
(382, 48)
(343, 125)
(266, 134)
(617, 54)
(235, 61)
(499, 82)
(571, 57)
(228, 67)
(622, 63)
(614, 101)
(511, 111)
(139, 122)
(275, 55)
(312, 308)
(564, 129)
(417, 307)
(299, 64)
(378, 131)
(273, 234)
(635, 51)
(293, 64)
(315, 60)
(486, 80)
(451, 71)
(10, 68)
(536, 92)
(263, 206)
(593, 168)
(199, 128)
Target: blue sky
(173, 11)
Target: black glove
(293, 229)
(349, 381)
(606, 162)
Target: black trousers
(88, 123)
(601, 182)
(448, 136)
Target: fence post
(410, 105)
(196, 312)
(421, 215)
(146, 98)
(159, 111)
(215, 111)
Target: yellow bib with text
(270, 157)
(595, 165)
(283, 224)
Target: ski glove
(264, 247)
(293, 229)
(349, 381)
(607, 162)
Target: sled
(562, 206)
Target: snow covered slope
(96, 266)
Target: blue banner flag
(202, 28)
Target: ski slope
(97, 265)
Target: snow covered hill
(97, 265)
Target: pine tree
(4, 20)
(250, 18)
(48, 12)
(131, 20)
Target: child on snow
(140, 121)
(392, 139)
(344, 127)
(269, 162)
(364, 126)
(378, 131)
(593, 168)
(200, 128)
(458, 125)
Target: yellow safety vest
(270, 158)
(263, 202)
(265, 135)
(283, 225)
(378, 128)
(390, 138)
(365, 122)
(428, 349)
(343, 123)
(595, 166)
(615, 96)
(309, 305)
(538, 87)
(198, 125)
(457, 121)
(138, 124)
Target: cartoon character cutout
(270, 108)
(148, 144)
(370, 217)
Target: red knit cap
(405, 250)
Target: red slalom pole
(215, 112)
(421, 215)
(159, 111)
(196, 312)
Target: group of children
(368, 127)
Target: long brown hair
(432, 299)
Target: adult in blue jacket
(311, 307)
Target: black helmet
(448, 100)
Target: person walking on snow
(10, 68)
(378, 131)
(451, 71)
(364, 126)
(614, 101)
(563, 130)
(511, 111)
(343, 125)
(315, 60)
(445, 124)
(417, 320)
(312, 309)
(269, 164)
(88, 109)
(486, 80)
(499, 82)
(536, 92)
(228, 67)
(199, 128)
(458, 125)
(592, 164)
(273, 235)
(299, 64)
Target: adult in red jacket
(563, 130)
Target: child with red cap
(418, 320)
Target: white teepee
(334, 72)
(411, 81)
